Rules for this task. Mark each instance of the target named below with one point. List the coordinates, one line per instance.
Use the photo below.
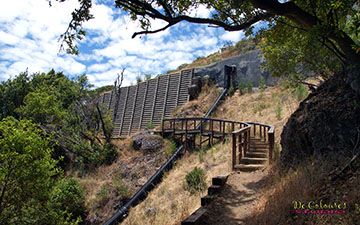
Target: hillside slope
(170, 202)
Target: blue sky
(29, 32)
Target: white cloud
(29, 32)
(29, 37)
(202, 12)
(8, 39)
(233, 36)
(99, 67)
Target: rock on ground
(147, 141)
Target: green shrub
(242, 86)
(120, 187)
(213, 59)
(259, 107)
(182, 66)
(68, 195)
(138, 79)
(262, 84)
(231, 91)
(150, 125)
(102, 196)
(278, 111)
(301, 92)
(170, 150)
(249, 87)
(195, 180)
(109, 153)
(148, 76)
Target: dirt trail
(237, 200)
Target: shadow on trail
(234, 204)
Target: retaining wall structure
(147, 102)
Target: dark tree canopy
(335, 23)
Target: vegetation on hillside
(227, 51)
(28, 178)
(172, 200)
(48, 122)
(47, 125)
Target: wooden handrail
(240, 137)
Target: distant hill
(227, 51)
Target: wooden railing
(240, 143)
(217, 128)
(212, 128)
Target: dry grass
(170, 202)
(310, 182)
(222, 54)
(260, 107)
(201, 105)
(111, 185)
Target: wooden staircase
(147, 102)
(256, 158)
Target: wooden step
(259, 150)
(249, 160)
(257, 154)
(248, 168)
(206, 200)
(214, 189)
(195, 217)
(220, 180)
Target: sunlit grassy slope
(170, 202)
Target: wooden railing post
(240, 147)
(264, 133)
(223, 134)
(254, 130)
(260, 132)
(233, 150)
(212, 131)
(249, 133)
(245, 142)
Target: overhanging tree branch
(174, 20)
